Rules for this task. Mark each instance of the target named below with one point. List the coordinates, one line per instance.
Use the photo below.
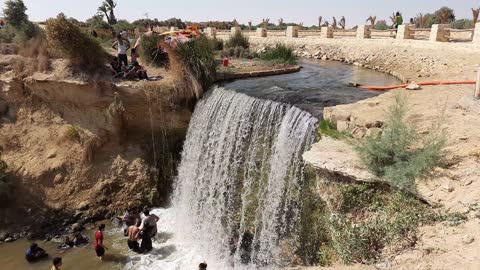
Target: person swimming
(35, 253)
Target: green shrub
(326, 128)
(73, 133)
(82, 50)
(7, 34)
(280, 54)
(150, 53)
(216, 44)
(393, 221)
(15, 13)
(238, 40)
(26, 32)
(198, 58)
(400, 155)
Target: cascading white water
(238, 191)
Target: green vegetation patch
(327, 128)
(66, 38)
(238, 40)
(281, 54)
(400, 155)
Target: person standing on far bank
(399, 19)
(122, 46)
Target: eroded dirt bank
(80, 150)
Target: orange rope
(390, 87)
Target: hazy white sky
(306, 11)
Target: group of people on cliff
(120, 66)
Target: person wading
(122, 46)
(133, 236)
(148, 229)
(98, 244)
(57, 263)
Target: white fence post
(292, 31)
(363, 31)
(326, 32)
(439, 33)
(235, 30)
(476, 33)
(261, 32)
(403, 32)
(211, 32)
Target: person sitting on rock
(67, 243)
(115, 67)
(80, 239)
(136, 71)
(35, 253)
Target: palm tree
(421, 20)
(372, 20)
(334, 24)
(265, 23)
(476, 12)
(280, 22)
(393, 18)
(235, 23)
(300, 25)
(320, 18)
(108, 8)
(250, 25)
(342, 22)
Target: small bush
(198, 58)
(399, 155)
(7, 34)
(326, 128)
(393, 221)
(238, 40)
(150, 53)
(82, 50)
(73, 133)
(26, 32)
(216, 44)
(281, 54)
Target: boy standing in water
(98, 244)
(57, 263)
(148, 229)
(133, 235)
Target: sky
(306, 11)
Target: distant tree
(320, 18)
(462, 24)
(445, 15)
(342, 22)
(475, 13)
(393, 18)
(14, 13)
(334, 23)
(123, 25)
(372, 20)
(235, 23)
(381, 25)
(421, 20)
(97, 22)
(249, 25)
(107, 8)
(280, 22)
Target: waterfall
(238, 192)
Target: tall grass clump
(400, 155)
(69, 41)
(238, 40)
(281, 54)
(150, 52)
(198, 58)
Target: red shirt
(98, 239)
